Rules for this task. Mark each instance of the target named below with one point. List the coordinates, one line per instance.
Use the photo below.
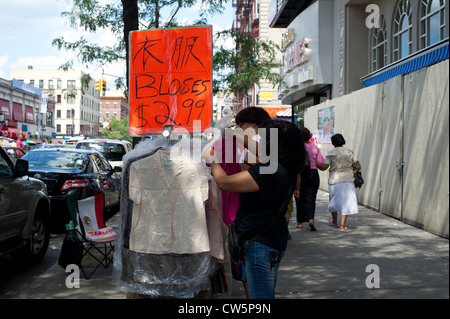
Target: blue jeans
(261, 264)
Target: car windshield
(111, 151)
(57, 159)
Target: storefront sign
(288, 39)
(296, 54)
(305, 74)
(44, 102)
(266, 95)
(273, 111)
(26, 87)
(170, 80)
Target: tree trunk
(130, 23)
(157, 14)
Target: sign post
(170, 80)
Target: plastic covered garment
(163, 246)
(168, 214)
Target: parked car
(64, 169)
(37, 146)
(112, 150)
(24, 212)
(14, 152)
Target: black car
(63, 170)
(24, 212)
(14, 152)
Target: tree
(121, 18)
(236, 70)
(119, 129)
(251, 62)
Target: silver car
(24, 212)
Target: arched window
(432, 22)
(379, 45)
(402, 30)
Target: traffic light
(98, 85)
(103, 85)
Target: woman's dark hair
(253, 115)
(306, 134)
(291, 152)
(337, 140)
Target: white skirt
(343, 198)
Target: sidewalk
(326, 264)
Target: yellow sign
(265, 95)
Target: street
(14, 278)
(377, 258)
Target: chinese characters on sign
(170, 79)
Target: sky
(28, 27)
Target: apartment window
(41, 84)
(58, 114)
(432, 22)
(69, 129)
(50, 84)
(59, 84)
(71, 99)
(107, 115)
(379, 45)
(107, 105)
(32, 82)
(70, 84)
(115, 105)
(403, 30)
(58, 98)
(58, 128)
(69, 112)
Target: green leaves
(252, 61)
(237, 69)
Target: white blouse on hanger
(169, 191)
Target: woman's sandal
(331, 224)
(299, 226)
(313, 228)
(343, 229)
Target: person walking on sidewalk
(341, 162)
(309, 185)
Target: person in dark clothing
(266, 189)
(309, 185)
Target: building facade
(388, 95)
(22, 109)
(252, 18)
(332, 48)
(77, 103)
(113, 105)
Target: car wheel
(36, 247)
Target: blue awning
(410, 64)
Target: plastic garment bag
(163, 247)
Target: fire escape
(247, 22)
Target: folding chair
(98, 240)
